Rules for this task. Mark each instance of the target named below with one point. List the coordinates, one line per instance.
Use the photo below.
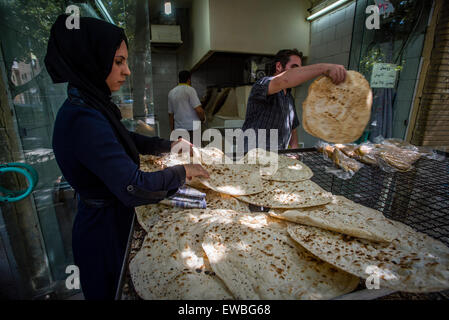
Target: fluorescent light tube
(326, 10)
(167, 7)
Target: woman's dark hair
(184, 76)
(283, 56)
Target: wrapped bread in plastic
(345, 162)
(367, 153)
(349, 150)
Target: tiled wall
(165, 78)
(166, 63)
(330, 42)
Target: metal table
(418, 198)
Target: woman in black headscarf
(97, 155)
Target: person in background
(271, 105)
(184, 106)
(97, 155)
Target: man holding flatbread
(271, 105)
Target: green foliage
(27, 24)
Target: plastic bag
(326, 149)
(398, 155)
(346, 167)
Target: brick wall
(432, 123)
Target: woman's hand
(181, 146)
(195, 170)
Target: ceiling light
(326, 9)
(167, 7)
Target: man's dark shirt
(276, 111)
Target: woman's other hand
(195, 170)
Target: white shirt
(182, 101)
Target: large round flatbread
(286, 195)
(228, 177)
(260, 157)
(344, 216)
(148, 215)
(289, 170)
(277, 167)
(172, 264)
(256, 259)
(217, 200)
(413, 262)
(338, 113)
(232, 179)
(212, 155)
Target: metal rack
(418, 198)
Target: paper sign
(384, 75)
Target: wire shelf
(418, 198)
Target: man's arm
(171, 119)
(200, 112)
(196, 104)
(296, 76)
(294, 140)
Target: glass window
(24, 33)
(397, 46)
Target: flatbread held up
(338, 113)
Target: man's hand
(335, 71)
(195, 170)
(182, 145)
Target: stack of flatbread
(364, 243)
(224, 254)
(311, 245)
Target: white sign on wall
(384, 75)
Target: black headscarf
(83, 57)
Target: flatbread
(217, 200)
(344, 216)
(232, 179)
(338, 113)
(260, 157)
(400, 158)
(171, 263)
(150, 163)
(289, 170)
(256, 259)
(212, 155)
(413, 262)
(150, 214)
(277, 167)
(279, 195)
